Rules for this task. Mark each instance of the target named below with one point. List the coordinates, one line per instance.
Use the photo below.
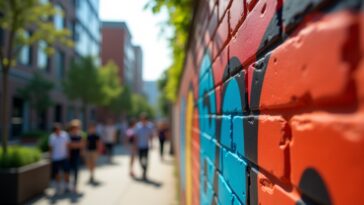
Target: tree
(37, 93)
(140, 105)
(82, 82)
(16, 17)
(164, 103)
(180, 17)
(110, 83)
(122, 103)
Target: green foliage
(18, 156)
(110, 83)
(122, 103)
(42, 143)
(20, 15)
(82, 81)
(140, 105)
(37, 93)
(180, 17)
(163, 102)
(36, 134)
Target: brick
(221, 37)
(236, 201)
(235, 175)
(233, 100)
(359, 82)
(237, 13)
(213, 23)
(238, 135)
(294, 12)
(304, 76)
(258, 31)
(207, 193)
(270, 193)
(225, 195)
(273, 145)
(225, 134)
(326, 155)
(220, 66)
(223, 6)
(208, 148)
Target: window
(42, 56)
(60, 64)
(25, 54)
(59, 21)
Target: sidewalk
(116, 187)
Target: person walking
(144, 132)
(75, 147)
(58, 147)
(93, 144)
(109, 138)
(163, 132)
(130, 134)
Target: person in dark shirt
(93, 144)
(76, 145)
(163, 132)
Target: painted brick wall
(271, 104)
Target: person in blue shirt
(144, 132)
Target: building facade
(81, 17)
(117, 46)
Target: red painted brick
(309, 78)
(248, 39)
(213, 23)
(219, 66)
(221, 37)
(237, 14)
(223, 5)
(331, 144)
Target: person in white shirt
(109, 136)
(58, 147)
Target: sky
(145, 31)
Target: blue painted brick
(225, 195)
(206, 193)
(236, 201)
(208, 147)
(235, 175)
(233, 100)
(238, 135)
(225, 134)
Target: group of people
(68, 148)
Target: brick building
(117, 46)
(81, 17)
(271, 104)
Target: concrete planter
(20, 184)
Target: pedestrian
(93, 144)
(163, 132)
(109, 138)
(58, 148)
(75, 147)
(130, 133)
(144, 132)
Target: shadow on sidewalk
(148, 182)
(55, 198)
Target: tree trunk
(4, 110)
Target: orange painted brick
(273, 141)
(327, 157)
(317, 74)
(269, 193)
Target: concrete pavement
(117, 187)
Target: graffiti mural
(268, 97)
